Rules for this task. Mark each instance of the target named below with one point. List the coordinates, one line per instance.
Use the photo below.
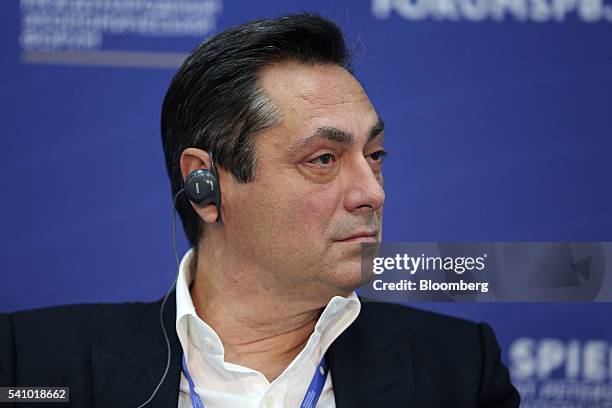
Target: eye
(378, 155)
(324, 160)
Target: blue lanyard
(310, 399)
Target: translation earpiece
(202, 187)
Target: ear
(194, 159)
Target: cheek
(284, 211)
(313, 209)
(297, 208)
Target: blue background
(497, 131)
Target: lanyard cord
(310, 399)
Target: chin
(348, 277)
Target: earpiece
(202, 187)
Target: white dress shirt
(225, 385)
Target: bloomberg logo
(535, 11)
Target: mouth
(366, 236)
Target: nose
(364, 187)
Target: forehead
(312, 96)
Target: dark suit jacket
(113, 355)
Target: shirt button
(269, 401)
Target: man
(264, 313)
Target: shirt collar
(337, 316)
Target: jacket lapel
(127, 372)
(370, 367)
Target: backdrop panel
(498, 121)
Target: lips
(366, 236)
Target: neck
(258, 329)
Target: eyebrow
(335, 135)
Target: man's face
(318, 182)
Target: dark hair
(215, 101)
